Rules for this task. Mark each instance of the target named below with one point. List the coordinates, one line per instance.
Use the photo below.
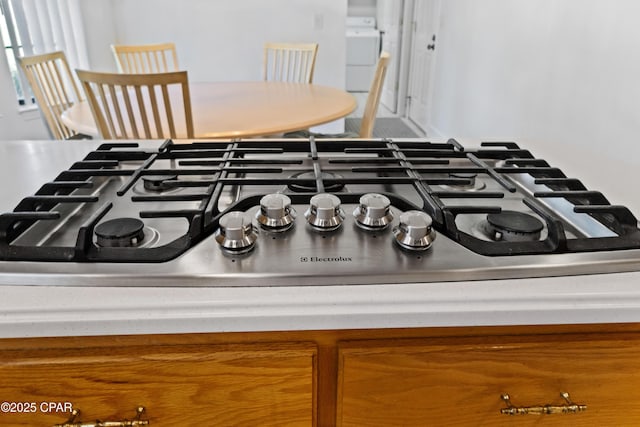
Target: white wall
(562, 76)
(223, 41)
(100, 32)
(538, 67)
(362, 8)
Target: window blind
(50, 25)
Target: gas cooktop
(326, 211)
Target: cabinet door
(266, 384)
(459, 382)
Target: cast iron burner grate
(433, 173)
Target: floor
(383, 112)
(361, 98)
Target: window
(13, 49)
(32, 27)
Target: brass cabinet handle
(569, 408)
(72, 421)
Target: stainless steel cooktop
(326, 212)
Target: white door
(426, 15)
(389, 14)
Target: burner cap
(302, 187)
(463, 175)
(120, 233)
(514, 226)
(157, 182)
(473, 184)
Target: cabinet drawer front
(188, 385)
(460, 384)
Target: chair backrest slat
(146, 59)
(139, 105)
(53, 87)
(289, 62)
(140, 102)
(169, 111)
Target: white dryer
(363, 50)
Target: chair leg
(79, 136)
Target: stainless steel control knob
(236, 233)
(374, 212)
(324, 212)
(415, 231)
(276, 213)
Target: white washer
(363, 50)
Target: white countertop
(28, 311)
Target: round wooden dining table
(246, 109)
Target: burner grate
(414, 175)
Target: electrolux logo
(325, 259)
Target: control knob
(325, 213)
(276, 213)
(236, 233)
(374, 212)
(414, 232)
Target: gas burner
(120, 233)
(158, 183)
(311, 187)
(513, 226)
(474, 184)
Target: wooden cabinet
(459, 382)
(384, 377)
(185, 385)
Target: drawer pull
(72, 421)
(569, 408)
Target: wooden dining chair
(54, 89)
(289, 62)
(373, 98)
(140, 106)
(370, 109)
(147, 58)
